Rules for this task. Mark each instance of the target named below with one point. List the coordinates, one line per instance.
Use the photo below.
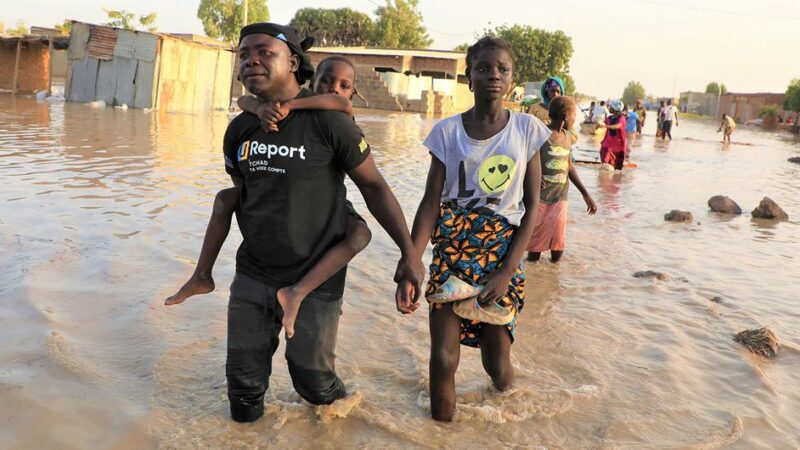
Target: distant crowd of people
(635, 117)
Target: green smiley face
(495, 174)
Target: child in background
(479, 207)
(641, 112)
(728, 126)
(335, 80)
(614, 144)
(632, 121)
(550, 230)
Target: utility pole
(244, 12)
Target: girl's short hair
(484, 43)
(559, 107)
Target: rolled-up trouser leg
(311, 352)
(253, 328)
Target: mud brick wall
(33, 66)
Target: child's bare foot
(290, 298)
(197, 284)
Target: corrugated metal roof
(102, 41)
(59, 42)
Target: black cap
(289, 36)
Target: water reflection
(101, 216)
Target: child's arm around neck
(270, 113)
(328, 102)
(331, 102)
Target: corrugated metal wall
(78, 38)
(101, 44)
(116, 66)
(193, 77)
(127, 67)
(222, 80)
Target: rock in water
(723, 204)
(761, 341)
(678, 216)
(794, 159)
(768, 209)
(651, 274)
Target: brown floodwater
(102, 212)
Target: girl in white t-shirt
(479, 209)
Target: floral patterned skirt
(471, 244)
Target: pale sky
(667, 45)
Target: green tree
(19, 29)
(462, 47)
(539, 53)
(769, 111)
(128, 20)
(569, 84)
(64, 27)
(714, 88)
(633, 91)
(791, 100)
(399, 25)
(222, 19)
(334, 27)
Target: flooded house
(171, 73)
(29, 63)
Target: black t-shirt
(292, 204)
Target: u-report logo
(250, 148)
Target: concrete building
(745, 107)
(148, 70)
(425, 81)
(742, 107)
(27, 62)
(699, 103)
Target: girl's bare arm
(428, 210)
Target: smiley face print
(495, 174)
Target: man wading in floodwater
(291, 211)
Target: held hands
(495, 286)
(404, 297)
(271, 113)
(408, 276)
